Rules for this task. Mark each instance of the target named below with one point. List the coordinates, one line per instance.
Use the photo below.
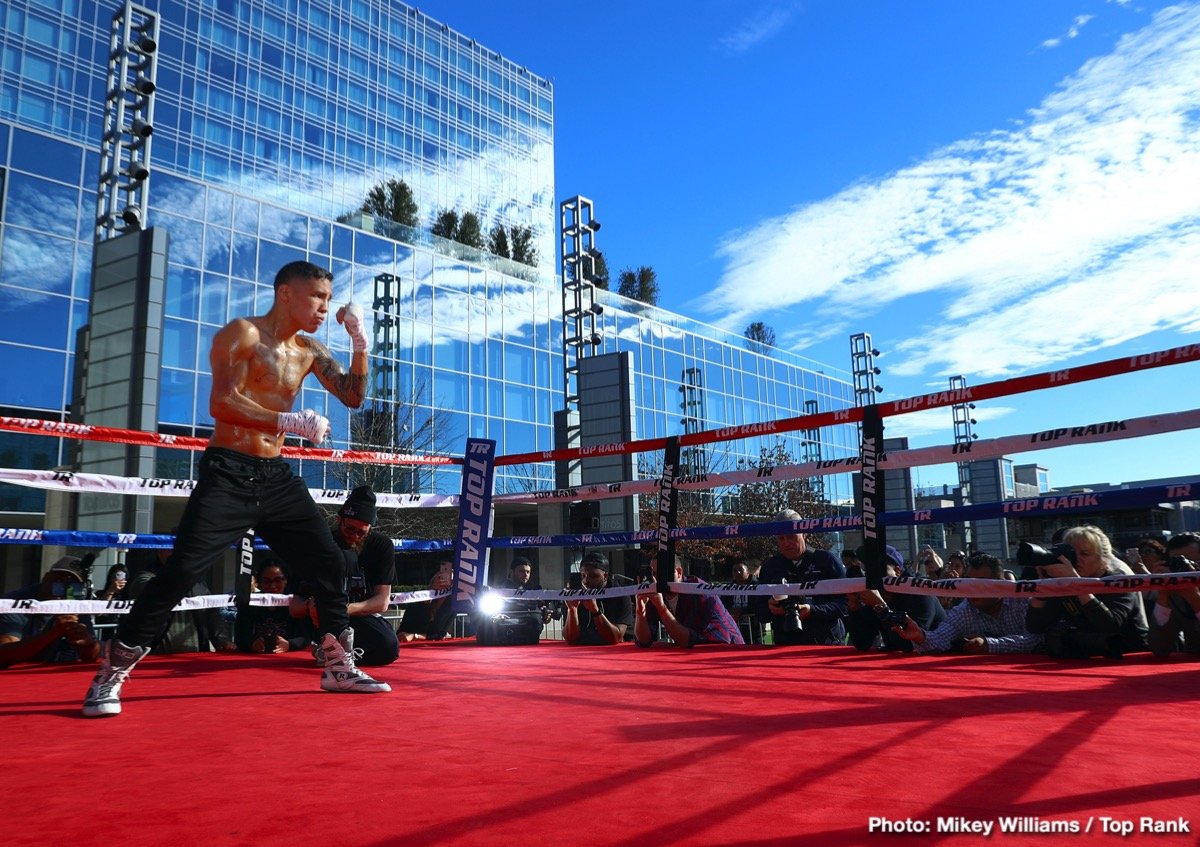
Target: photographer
(271, 629)
(1175, 615)
(593, 622)
(980, 625)
(517, 621)
(687, 618)
(872, 627)
(738, 605)
(48, 638)
(369, 562)
(430, 619)
(115, 584)
(801, 620)
(1086, 625)
(956, 565)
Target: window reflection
(245, 214)
(32, 317)
(34, 260)
(273, 256)
(46, 156)
(214, 295)
(519, 437)
(186, 238)
(179, 344)
(283, 226)
(450, 351)
(216, 250)
(450, 390)
(175, 396)
(45, 392)
(42, 205)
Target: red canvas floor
(552, 745)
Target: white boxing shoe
(116, 661)
(341, 675)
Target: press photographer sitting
(271, 629)
(801, 620)
(687, 618)
(370, 569)
(513, 621)
(1086, 625)
(980, 625)
(593, 622)
(874, 615)
(1175, 614)
(48, 638)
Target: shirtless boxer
(258, 365)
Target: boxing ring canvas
(551, 745)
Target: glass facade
(272, 119)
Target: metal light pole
(578, 228)
(128, 122)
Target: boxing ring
(621, 745)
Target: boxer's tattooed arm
(350, 388)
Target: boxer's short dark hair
(301, 270)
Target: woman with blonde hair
(1088, 624)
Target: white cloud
(1075, 231)
(1076, 25)
(756, 29)
(937, 422)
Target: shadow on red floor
(553, 745)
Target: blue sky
(989, 188)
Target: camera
(790, 620)
(356, 588)
(510, 629)
(1030, 555)
(575, 580)
(892, 617)
(1180, 564)
(268, 631)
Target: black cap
(360, 505)
(595, 560)
(518, 561)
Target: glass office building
(272, 120)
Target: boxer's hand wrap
(352, 319)
(307, 424)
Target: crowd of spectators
(1163, 621)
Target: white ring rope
(1056, 587)
(1095, 433)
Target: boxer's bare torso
(259, 364)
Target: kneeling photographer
(801, 620)
(980, 625)
(1083, 625)
(686, 619)
(875, 617)
(514, 621)
(1175, 614)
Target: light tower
(128, 122)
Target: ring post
(667, 510)
(474, 524)
(872, 497)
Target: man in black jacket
(801, 620)
(868, 623)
